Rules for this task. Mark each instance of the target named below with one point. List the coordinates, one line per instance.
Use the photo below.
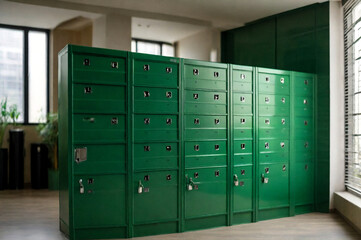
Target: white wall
(200, 45)
(337, 157)
(113, 31)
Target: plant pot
(53, 179)
(3, 168)
(16, 159)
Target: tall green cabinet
(151, 145)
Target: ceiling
(166, 20)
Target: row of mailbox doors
(165, 74)
(89, 98)
(111, 128)
(205, 193)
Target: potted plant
(4, 117)
(48, 131)
(16, 151)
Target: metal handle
(81, 186)
(89, 119)
(264, 179)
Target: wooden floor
(33, 215)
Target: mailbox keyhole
(216, 173)
(196, 121)
(169, 121)
(86, 62)
(195, 95)
(168, 148)
(146, 148)
(168, 70)
(216, 121)
(243, 172)
(196, 148)
(216, 97)
(216, 74)
(146, 178)
(216, 147)
(146, 67)
(146, 121)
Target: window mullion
(26, 76)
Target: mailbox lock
(216, 97)
(282, 80)
(266, 170)
(306, 123)
(195, 95)
(266, 99)
(243, 76)
(196, 121)
(267, 79)
(305, 101)
(168, 94)
(168, 70)
(267, 121)
(146, 67)
(114, 64)
(146, 94)
(114, 121)
(242, 99)
(284, 168)
(140, 187)
(216, 74)
(168, 148)
(196, 175)
(190, 185)
(243, 146)
(283, 121)
(195, 71)
(88, 90)
(146, 178)
(216, 147)
(243, 120)
(266, 145)
(86, 62)
(196, 147)
(216, 173)
(283, 100)
(243, 172)
(282, 144)
(90, 180)
(241, 183)
(169, 121)
(306, 82)
(306, 144)
(146, 148)
(235, 180)
(81, 186)
(146, 120)
(169, 177)
(216, 121)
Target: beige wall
(31, 136)
(60, 37)
(199, 46)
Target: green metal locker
(242, 187)
(205, 91)
(152, 145)
(273, 143)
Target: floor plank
(33, 215)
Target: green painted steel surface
(103, 202)
(174, 145)
(296, 40)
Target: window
(352, 34)
(153, 47)
(24, 71)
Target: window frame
(26, 31)
(160, 43)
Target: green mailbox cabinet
(303, 145)
(151, 145)
(205, 91)
(273, 143)
(93, 123)
(242, 144)
(154, 162)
